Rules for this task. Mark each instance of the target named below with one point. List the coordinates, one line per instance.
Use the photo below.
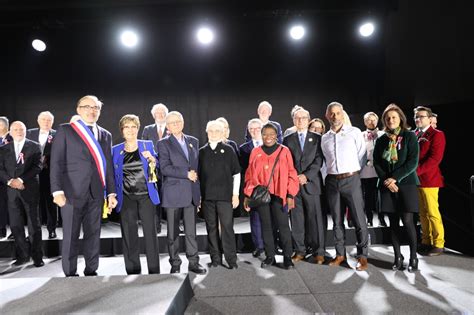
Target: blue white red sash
(93, 145)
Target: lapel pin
(310, 140)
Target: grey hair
(156, 107)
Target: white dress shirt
(343, 151)
(368, 170)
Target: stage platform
(444, 285)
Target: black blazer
(309, 161)
(33, 134)
(27, 171)
(150, 132)
(73, 169)
(244, 155)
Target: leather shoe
(257, 252)
(233, 265)
(73, 275)
(197, 268)
(21, 261)
(38, 263)
(398, 263)
(413, 265)
(175, 269)
(3, 233)
(11, 237)
(90, 273)
(268, 261)
(423, 249)
(319, 260)
(52, 235)
(297, 258)
(215, 263)
(337, 261)
(362, 264)
(435, 251)
(288, 263)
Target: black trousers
(173, 215)
(87, 213)
(27, 200)
(275, 210)
(307, 223)
(136, 207)
(215, 212)
(47, 207)
(370, 191)
(3, 206)
(350, 191)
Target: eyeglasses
(88, 107)
(175, 122)
(301, 118)
(419, 117)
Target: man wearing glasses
(432, 143)
(81, 177)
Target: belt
(343, 175)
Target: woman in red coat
(283, 187)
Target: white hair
(255, 121)
(158, 106)
(368, 114)
(264, 103)
(46, 113)
(174, 113)
(215, 123)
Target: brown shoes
(297, 258)
(337, 261)
(362, 264)
(435, 251)
(319, 260)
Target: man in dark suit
(264, 112)
(81, 176)
(155, 132)
(44, 136)
(254, 128)
(179, 158)
(20, 164)
(307, 217)
(5, 138)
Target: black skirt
(405, 200)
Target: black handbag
(260, 194)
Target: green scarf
(390, 154)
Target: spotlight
(366, 29)
(205, 35)
(38, 45)
(297, 32)
(129, 39)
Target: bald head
(18, 130)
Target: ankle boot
(398, 263)
(287, 263)
(413, 265)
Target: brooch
(222, 150)
(190, 145)
(310, 140)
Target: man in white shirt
(44, 135)
(344, 149)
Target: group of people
(307, 171)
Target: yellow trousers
(432, 230)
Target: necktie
(257, 143)
(160, 132)
(419, 133)
(17, 150)
(91, 128)
(302, 141)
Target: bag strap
(273, 168)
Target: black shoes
(3, 233)
(175, 269)
(52, 234)
(72, 275)
(413, 265)
(257, 252)
(435, 251)
(11, 237)
(370, 223)
(233, 265)
(398, 263)
(268, 262)
(215, 263)
(21, 261)
(382, 222)
(38, 263)
(90, 273)
(288, 263)
(198, 269)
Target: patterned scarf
(390, 154)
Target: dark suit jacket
(33, 134)
(307, 162)
(404, 171)
(73, 169)
(178, 190)
(150, 132)
(244, 155)
(28, 171)
(248, 137)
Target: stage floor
(445, 284)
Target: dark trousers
(215, 212)
(29, 201)
(136, 207)
(350, 191)
(369, 189)
(275, 210)
(173, 216)
(87, 213)
(3, 206)
(307, 223)
(256, 229)
(47, 207)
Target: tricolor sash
(94, 147)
